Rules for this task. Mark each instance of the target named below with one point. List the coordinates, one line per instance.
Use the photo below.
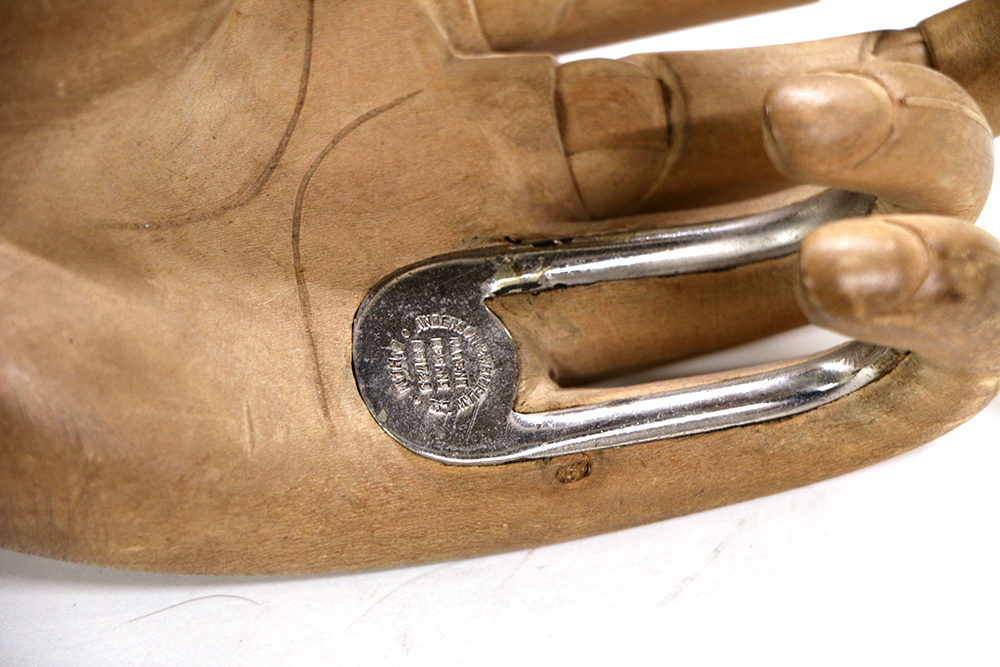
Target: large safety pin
(440, 372)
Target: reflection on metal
(439, 372)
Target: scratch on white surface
(204, 597)
(388, 595)
(719, 548)
(517, 568)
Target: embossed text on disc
(442, 363)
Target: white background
(896, 563)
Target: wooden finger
(562, 25)
(922, 283)
(693, 139)
(884, 128)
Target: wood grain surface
(195, 197)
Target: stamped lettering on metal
(445, 359)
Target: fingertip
(856, 270)
(923, 283)
(902, 132)
(825, 122)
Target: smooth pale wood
(57, 56)
(964, 43)
(183, 250)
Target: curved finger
(562, 25)
(905, 133)
(922, 283)
(689, 135)
(697, 113)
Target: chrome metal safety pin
(440, 373)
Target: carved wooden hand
(195, 197)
